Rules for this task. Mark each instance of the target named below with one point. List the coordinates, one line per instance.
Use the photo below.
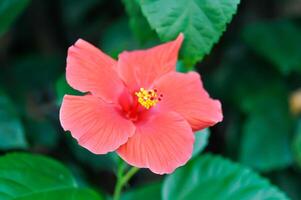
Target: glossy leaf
(32, 177)
(202, 22)
(11, 129)
(215, 178)
(9, 11)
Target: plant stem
(122, 179)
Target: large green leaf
(11, 128)
(65, 193)
(201, 21)
(201, 141)
(214, 178)
(145, 192)
(32, 177)
(277, 41)
(9, 11)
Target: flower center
(148, 98)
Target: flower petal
(140, 68)
(184, 94)
(90, 70)
(97, 126)
(161, 143)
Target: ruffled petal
(97, 125)
(90, 70)
(184, 94)
(161, 143)
(140, 68)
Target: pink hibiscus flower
(139, 105)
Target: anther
(147, 98)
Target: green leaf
(266, 139)
(215, 178)
(64, 193)
(138, 23)
(201, 141)
(202, 22)
(278, 42)
(9, 11)
(146, 192)
(180, 67)
(11, 128)
(33, 177)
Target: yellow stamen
(147, 98)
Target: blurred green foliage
(253, 68)
(9, 11)
(28, 177)
(278, 41)
(11, 128)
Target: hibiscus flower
(138, 106)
